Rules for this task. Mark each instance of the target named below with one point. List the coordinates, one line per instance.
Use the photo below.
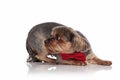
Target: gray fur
(36, 37)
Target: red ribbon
(74, 56)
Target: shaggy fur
(53, 38)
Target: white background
(98, 20)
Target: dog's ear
(70, 37)
(74, 39)
(76, 43)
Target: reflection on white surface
(69, 69)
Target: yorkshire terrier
(52, 38)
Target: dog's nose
(46, 41)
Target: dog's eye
(58, 37)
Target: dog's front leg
(93, 59)
(43, 57)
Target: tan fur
(78, 44)
(56, 47)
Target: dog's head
(63, 39)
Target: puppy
(53, 38)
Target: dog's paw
(105, 63)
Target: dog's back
(36, 37)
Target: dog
(52, 38)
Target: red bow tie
(79, 56)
